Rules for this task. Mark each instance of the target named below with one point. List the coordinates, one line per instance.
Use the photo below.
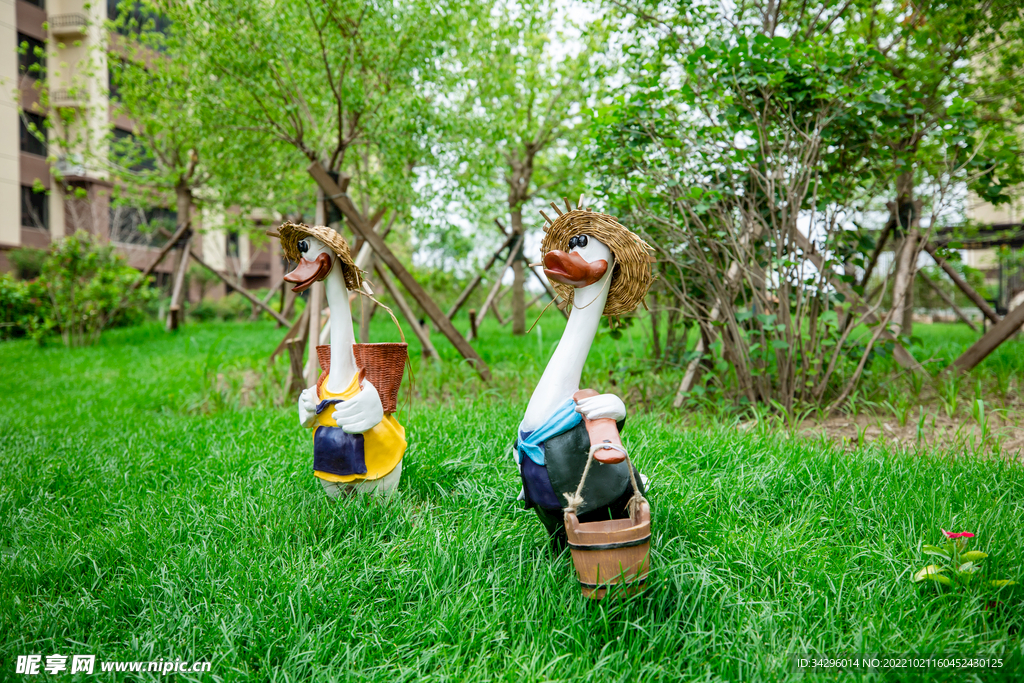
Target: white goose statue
(553, 443)
(356, 446)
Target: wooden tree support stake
(269, 297)
(175, 314)
(969, 291)
(240, 289)
(477, 278)
(178, 234)
(497, 285)
(360, 227)
(296, 380)
(989, 342)
(294, 332)
(406, 310)
(902, 356)
(949, 301)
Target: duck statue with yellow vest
(357, 442)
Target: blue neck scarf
(532, 443)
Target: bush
(21, 307)
(27, 262)
(84, 288)
(91, 289)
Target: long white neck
(343, 361)
(561, 378)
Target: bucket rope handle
(575, 500)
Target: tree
(517, 91)
(732, 146)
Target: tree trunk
(315, 301)
(655, 335)
(518, 302)
(908, 218)
(177, 312)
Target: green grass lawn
(151, 510)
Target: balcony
(67, 97)
(71, 166)
(69, 25)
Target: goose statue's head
(587, 262)
(583, 248)
(318, 251)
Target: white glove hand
(602, 406)
(307, 407)
(361, 413)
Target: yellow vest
(383, 445)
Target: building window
(136, 17)
(35, 211)
(41, 4)
(31, 56)
(232, 244)
(126, 150)
(114, 72)
(33, 142)
(134, 225)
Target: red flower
(962, 534)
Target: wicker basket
(612, 552)
(384, 365)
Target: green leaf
(931, 573)
(973, 555)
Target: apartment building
(75, 41)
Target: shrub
(27, 262)
(84, 288)
(21, 307)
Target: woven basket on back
(384, 365)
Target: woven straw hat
(632, 276)
(290, 234)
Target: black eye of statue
(581, 241)
(573, 241)
(303, 247)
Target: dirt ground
(1003, 433)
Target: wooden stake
(294, 332)
(176, 313)
(239, 288)
(513, 253)
(472, 323)
(296, 380)
(403, 306)
(163, 252)
(949, 301)
(989, 342)
(315, 302)
(962, 284)
(902, 356)
(358, 225)
(477, 278)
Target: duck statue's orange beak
(308, 272)
(572, 269)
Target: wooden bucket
(384, 365)
(611, 552)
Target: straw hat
(632, 276)
(290, 234)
